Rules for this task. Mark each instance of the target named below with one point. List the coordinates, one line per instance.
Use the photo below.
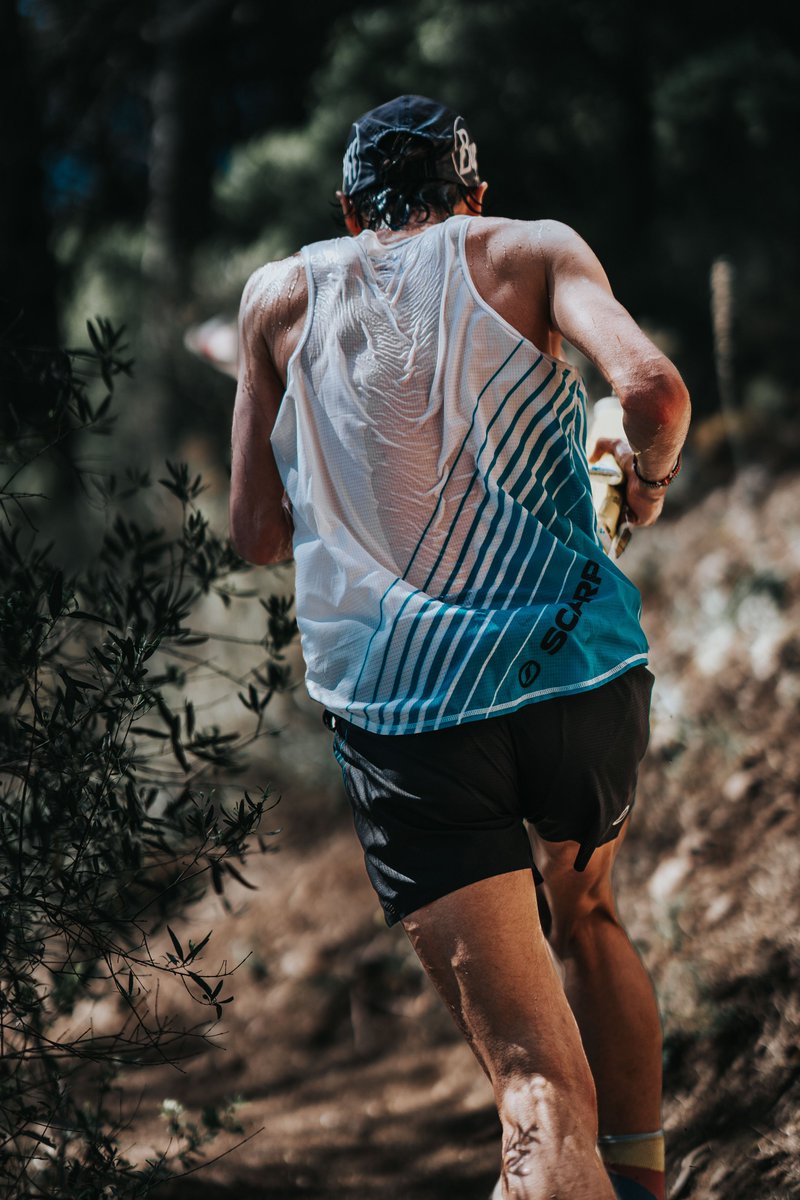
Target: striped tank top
(447, 557)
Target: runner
(406, 428)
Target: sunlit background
(153, 155)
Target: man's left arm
(655, 402)
(261, 527)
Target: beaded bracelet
(657, 483)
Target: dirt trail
(335, 1041)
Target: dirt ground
(353, 1081)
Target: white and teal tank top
(448, 563)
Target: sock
(635, 1164)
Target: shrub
(110, 817)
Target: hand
(642, 505)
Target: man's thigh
(483, 948)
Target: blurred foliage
(659, 132)
(112, 819)
(186, 141)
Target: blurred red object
(217, 342)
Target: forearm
(654, 400)
(261, 525)
(266, 547)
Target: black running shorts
(437, 811)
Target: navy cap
(453, 157)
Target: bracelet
(656, 483)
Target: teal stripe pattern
(513, 578)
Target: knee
(589, 917)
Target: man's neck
(411, 228)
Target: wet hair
(409, 186)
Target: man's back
(542, 280)
(457, 574)
(399, 330)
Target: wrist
(657, 484)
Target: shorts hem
(393, 914)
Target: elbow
(251, 552)
(261, 554)
(660, 395)
(261, 547)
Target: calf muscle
(524, 1035)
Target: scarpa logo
(528, 673)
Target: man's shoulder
(271, 279)
(284, 280)
(540, 236)
(275, 293)
(506, 253)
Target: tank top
(448, 565)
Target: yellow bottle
(607, 478)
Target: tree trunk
(189, 44)
(28, 305)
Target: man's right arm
(654, 399)
(260, 529)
